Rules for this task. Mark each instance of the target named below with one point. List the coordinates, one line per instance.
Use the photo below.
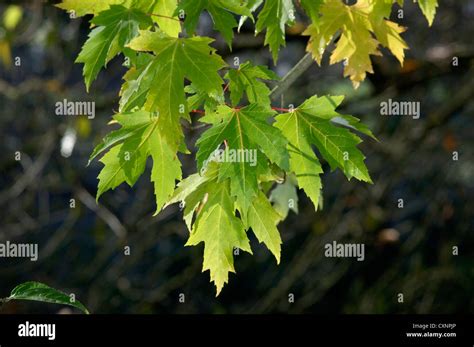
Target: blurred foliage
(11, 17)
(81, 249)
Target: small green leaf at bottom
(36, 291)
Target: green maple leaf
(164, 14)
(118, 136)
(428, 7)
(198, 98)
(94, 7)
(252, 6)
(116, 26)
(247, 79)
(137, 83)
(129, 148)
(311, 8)
(312, 124)
(275, 15)
(210, 202)
(244, 129)
(221, 231)
(221, 11)
(83, 7)
(191, 191)
(382, 8)
(262, 218)
(174, 60)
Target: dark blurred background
(408, 250)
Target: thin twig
(103, 213)
(290, 78)
(32, 173)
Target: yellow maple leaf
(362, 29)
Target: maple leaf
(247, 79)
(137, 83)
(275, 15)
(83, 7)
(428, 7)
(312, 7)
(387, 32)
(262, 218)
(174, 60)
(197, 99)
(192, 190)
(211, 203)
(215, 223)
(362, 27)
(94, 7)
(252, 5)
(312, 124)
(221, 11)
(196, 196)
(244, 129)
(129, 148)
(116, 26)
(221, 231)
(163, 13)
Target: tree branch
(292, 76)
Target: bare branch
(290, 78)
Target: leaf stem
(281, 109)
(163, 16)
(238, 108)
(226, 87)
(198, 111)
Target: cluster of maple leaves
(173, 72)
